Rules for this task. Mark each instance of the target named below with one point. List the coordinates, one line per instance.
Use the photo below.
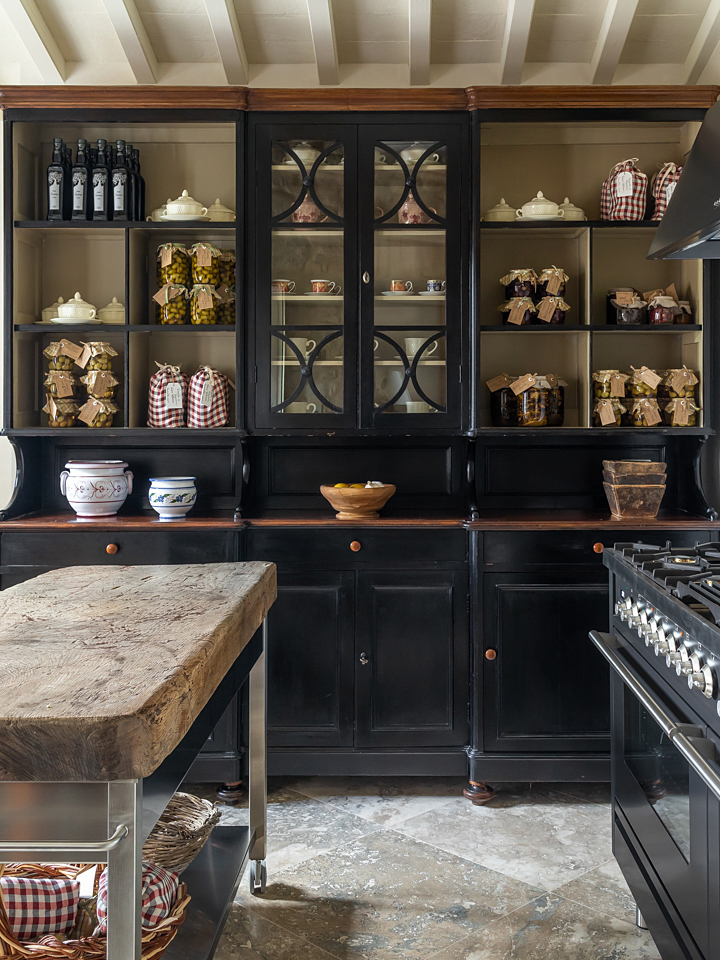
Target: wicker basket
(181, 832)
(154, 942)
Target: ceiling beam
(39, 42)
(322, 27)
(225, 26)
(133, 39)
(420, 16)
(515, 41)
(611, 39)
(704, 43)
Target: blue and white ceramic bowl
(172, 497)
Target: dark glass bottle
(67, 183)
(134, 181)
(120, 184)
(141, 204)
(101, 209)
(80, 183)
(56, 182)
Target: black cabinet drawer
(161, 546)
(322, 546)
(574, 546)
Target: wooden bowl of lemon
(358, 501)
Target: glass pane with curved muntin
(307, 181)
(410, 182)
(307, 370)
(410, 370)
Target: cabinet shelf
(203, 226)
(339, 363)
(340, 167)
(105, 328)
(646, 328)
(565, 224)
(412, 299)
(309, 298)
(309, 229)
(532, 328)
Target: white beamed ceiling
(471, 42)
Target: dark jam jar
(503, 408)
(556, 405)
(520, 283)
(552, 277)
(662, 311)
(526, 310)
(532, 407)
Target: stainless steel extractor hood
(690, 229)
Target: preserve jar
(57, 358)
(603, 383)
(520, 282)
(552, 310)
(681, 383)
(628, 312)
(681, 412)
(635, 386)
(618, 409)
(532, 406)
(205, 260)
(662, 310)
(203, 304)
(101, 354)
(503, 408)
(103, 412)
(685, 316)
(640, 408)
(173, 264)
(62, 412)
(60, 383)
(556, 402)
(522, 307)
(551, 282)
(100, 384)
(171, 304)
(226, 309)
(227, 267)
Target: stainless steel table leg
(258, 769)
(125, 872)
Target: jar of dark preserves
(520, 283)
(503, 408)
(551, 282)
(552, 310)
(662, 310)
(532, 406)
(519, 311)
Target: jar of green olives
(173, 264)
(101, 354)
(205, 260)
(203, 304)
(226, 309)
(607, 410)
(227, 267)
(609, 383)
(643, 382)
(61, 355)
(679, 383)
(100, 384)
(644, 412)
(98, 413)
(61, 412)
(681, 412)
(171, 304)
(60, 383)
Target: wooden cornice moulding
(563, 97)
(123, 98)
(346, 100)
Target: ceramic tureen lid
(77, 302)
(185, 201)
(114, 312)
(219, 212)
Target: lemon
(358, 486)
(341, 484)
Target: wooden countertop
(104, 670)
(583, 520)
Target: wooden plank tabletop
(103, 670)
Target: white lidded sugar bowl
(172, 497)
(96, 488)
(76, 310)
(184, 206)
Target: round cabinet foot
(479, 793)
(258, 877)
(230, 793)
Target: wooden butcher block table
(112, 679)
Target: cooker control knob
(710, 682)
(623, 613)
(696, 678)
(683, 666)
(633, 621)
(661, 648)
(671, 658)
(647, 631)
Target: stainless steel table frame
(108, 822)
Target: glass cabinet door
(412, 290)
(307, 277)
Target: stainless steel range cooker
(664, 650)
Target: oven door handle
(607, 644)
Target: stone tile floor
(405, 867)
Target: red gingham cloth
(613, 207)
(159, 891)
(668, 174)
(158, 413)
(216, 415)
(39, 906)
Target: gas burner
(704, 590)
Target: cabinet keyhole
(364, 659)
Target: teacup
(401, 286)
(413, 344)
(305, 347)
(436, 286)
(299, 406)
(283, 286)
(325, 286)
(417, 406)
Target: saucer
(311, 293)
(175, 217)
(431, 293)
(66, 322)
(536, 218)
(398, 293)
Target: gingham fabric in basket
(663, 186)
(159, 890)
(216, 414)
(39, 906)
(159, 415)
(613, 207)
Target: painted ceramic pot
(96, 488)
(411, 212)
(308, 212)
(172, 497)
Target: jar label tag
(522, 384)
(617, 385)
(207, 395)
(101, 383)
(166, 255)
(52, 408)
(681, 414)
(497, 383)
(624, 184)
(204, 299)
(670, 189)
(606, 411)
(671, 291)
(624, 298)
(649, 377)
(517, 314)
(63, 384)
(650, 412)
(68, 349)
(173, 396)
(204, 255)
(546, 309)
(90, 410)
(82, 360)
(553, 285)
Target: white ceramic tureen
(501, 211)
(540, 208)
(114, 312)
(184, 206)
(571, 211)
(306, 153)
(76, 310)
(217, 211)
(413, 153)
(51, 313)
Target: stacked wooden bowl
(634, 488)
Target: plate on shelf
(431, 294)
(535, 219)
(311, 293)
(397, 293)
(44, 323)
(73, 323)
(175, 217)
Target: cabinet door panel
(412, 630)
(310, 683)
(548, 688)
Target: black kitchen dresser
(450, 636)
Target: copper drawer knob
(355, 546)
(598, 547)
(490, 654)
(112, 548)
